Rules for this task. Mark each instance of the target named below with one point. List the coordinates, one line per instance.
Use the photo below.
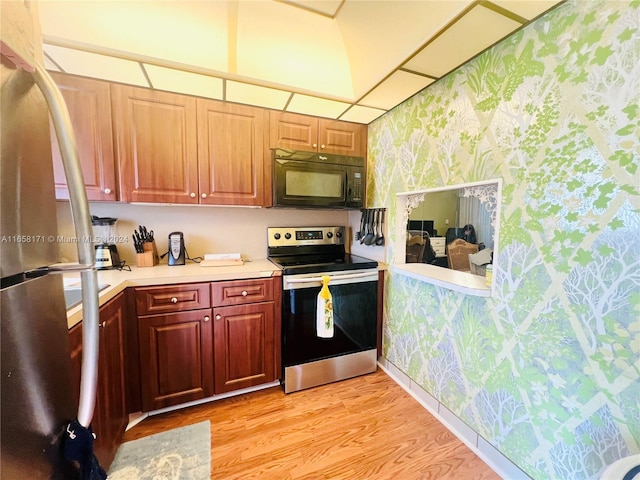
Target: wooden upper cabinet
(231, 153)
(293, 131)
(89, 104)
(343, 138)
(156, 141)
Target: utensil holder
(149, 258)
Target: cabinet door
(231, 151)
(156, 140)
(89, 105)
(110, 415)
(342, 138)
(244, 346)
(293, 131)
(111, 411)
(176, 358)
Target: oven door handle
(367, 276)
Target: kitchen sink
(73, 295)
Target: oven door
(355, 300)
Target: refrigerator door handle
(82, 223)
(59, 268)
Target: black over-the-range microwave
(317, 180)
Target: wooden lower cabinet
(244, 346)
(188, 352)
(110, 416)
(176, 358)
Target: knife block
(148, 258)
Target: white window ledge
(455, 280)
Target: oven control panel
(295, 236)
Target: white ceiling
(347, 59)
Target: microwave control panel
(356, 193)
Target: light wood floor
(358, 429)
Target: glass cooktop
(312, 263)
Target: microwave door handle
(347, 190)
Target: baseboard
(500, 464)
(214, 398)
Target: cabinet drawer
(174, 298)
(241, 291)
(438, 244)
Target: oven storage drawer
(241, 291)
(172, 298)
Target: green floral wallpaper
(548, 369)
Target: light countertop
(118, 280)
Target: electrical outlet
(446, 222)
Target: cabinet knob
(204, 195)
(192, 195)
(107, 191)
(102, 324)
(218, 317)
(206, 318)
(322, 146)
(174, 299)
(315, 145)
(244, 293)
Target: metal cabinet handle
(204, 195)
(244, 293)
(315, 145)
(218, 317)
(206, 318)
(322, 146)
(192, 195)
(174, 299)
(102, 324)
(107, 191)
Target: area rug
(179, 454)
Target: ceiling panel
(328, 8)
(380, 35)
(255, 95)
(49, 65)
(316, 106)
(528, 9)
(184, 82)
(257, 52)
(97, 66)
(293, 48)
(395, 89)
(473, 33)
(361, 114)
(186, 31)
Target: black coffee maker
(104, 231)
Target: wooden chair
(415, 249)
(458, 254)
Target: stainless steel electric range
(306, 254)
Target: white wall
(206, 229)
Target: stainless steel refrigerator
(35, 387)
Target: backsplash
(206, 229)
